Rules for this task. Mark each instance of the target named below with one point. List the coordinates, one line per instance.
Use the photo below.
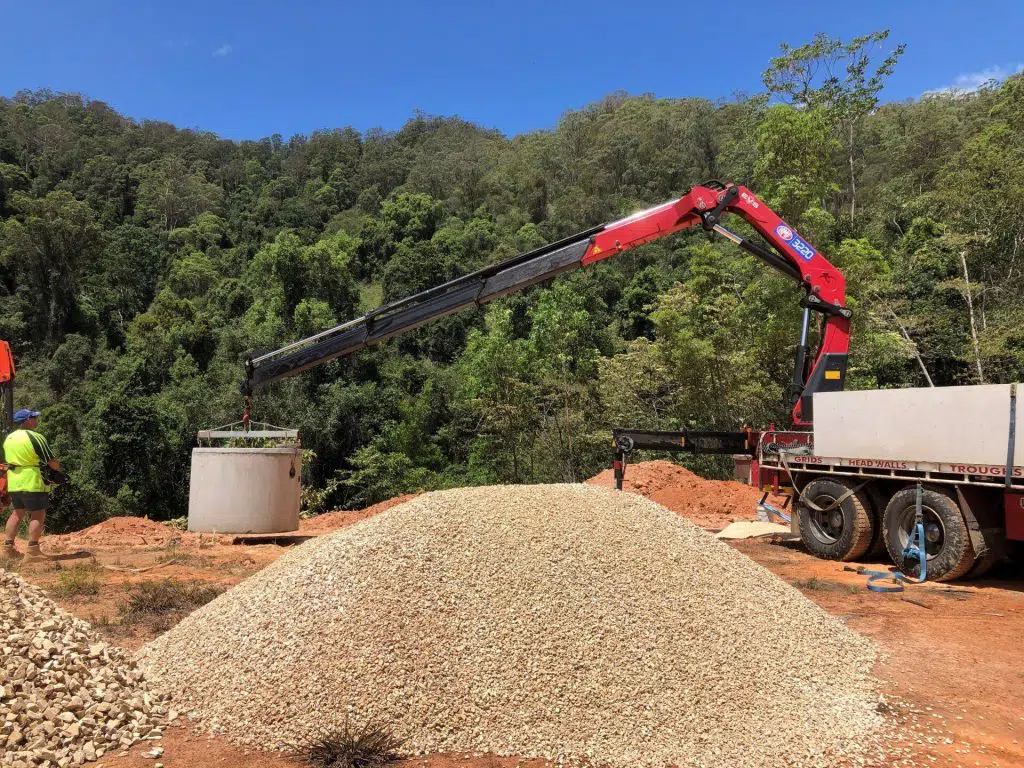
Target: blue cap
(24, 414)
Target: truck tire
(833, 531)
(947, 541)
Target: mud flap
(974, 530)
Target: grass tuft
(173, 552)
(81, 580)
(371, 746)
(161, 604)
(813, 583)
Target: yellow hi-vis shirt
(25, 451)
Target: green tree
(496, 371)
(171, 193)
(793, 167)
(122, 282)
(838, 77)
(48, 246)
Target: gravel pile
(66, 698)
(564, 621)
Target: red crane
(703, 206)
(825, 285)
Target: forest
(140, 263)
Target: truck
(852, 479)
(850, 495)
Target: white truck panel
(967, 425)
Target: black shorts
(33, 501)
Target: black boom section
(474, 289)
(690, 441)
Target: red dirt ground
(185, 749)
(708, 503)
(331, 521)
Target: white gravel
(563, 621)
(66, 697)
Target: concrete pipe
(244, 490)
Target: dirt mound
(708, 503)
(331, 521)
(563, 621)
(120, 532)
(126, 532)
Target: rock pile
(66, 697)
(567, 622)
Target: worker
(26, 453)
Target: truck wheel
(833, 531)
(947, 542)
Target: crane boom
(702, 205)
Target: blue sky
(249, 69)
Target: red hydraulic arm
(6, 363)
(825, 285)
(824, 289)
(6, 408)
(704, 205)
(6, 387)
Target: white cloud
(224, 50)
(972, 81)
